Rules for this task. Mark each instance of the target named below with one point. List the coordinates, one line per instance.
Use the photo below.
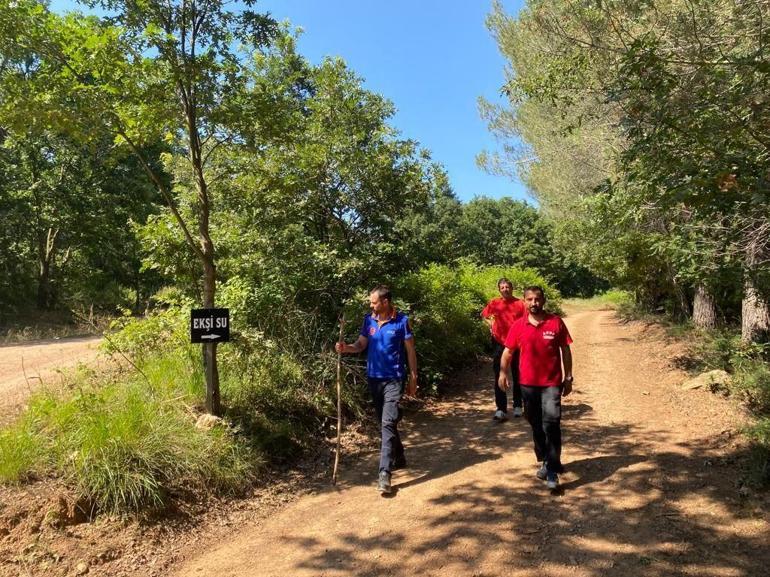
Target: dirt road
(27, 366)
(650, 488)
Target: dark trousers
(501, 398)
(543, 408)
(386, 393)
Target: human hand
(566, 388)
(503, 381)
(411, 386)
(339, 347)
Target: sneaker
(552, 481)
(500, 416)
(398, 463)
(383, 483)
(542, 472)
(517, 412)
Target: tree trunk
(755, 315)
(213, 403)
(704, 309)
(46, 248)
(44, 285)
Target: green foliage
(613, 299)
(444, 304)
(130, 444)
(641, 130)
(759, 471)
(141, 338)
(20, 453)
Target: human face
(535, 301)
(379, 306)
(506, 290)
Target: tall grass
(129, 444)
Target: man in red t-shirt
(542, 340)
(500, 313)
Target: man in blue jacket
(385, 334)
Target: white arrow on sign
(212, 337)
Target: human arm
(411, 356)
(488, 315)
(356, 347)
(566, 359)
(503, 380)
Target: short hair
(383, 291)
(504, 280)
(535, 289)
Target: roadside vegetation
(637, 128)
(128, 442)
(280, 189)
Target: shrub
(127, 445)
(444, 304)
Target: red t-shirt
(539, 346)
(505, 311)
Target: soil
(651, 489)
(28, 366)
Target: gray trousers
(543, 408)
(386, 393)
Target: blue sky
(432, 58)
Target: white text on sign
(210, 323)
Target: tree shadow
(444, 437)
(630, 510)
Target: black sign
(210, 325)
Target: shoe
(517, 412)
(542, 472)
(398, 463)
(383, 483)
(552, 481)
(500, 416)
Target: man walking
(543, 342)
(385, 334)
(500, 314)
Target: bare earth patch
(650, 490)
(25, 367)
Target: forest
(177, 155)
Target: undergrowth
(749, 367)
(128, 442)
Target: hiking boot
(500, 416)
(552, 481)
(517, 412)
(398, 463)
(383, 483)
(542, 472)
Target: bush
(444, 305)
(127, 445)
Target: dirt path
(26, 366)
(649, 490)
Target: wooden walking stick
(339, 402)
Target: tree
(174, 70)
(668, 94)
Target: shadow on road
(631, 510)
